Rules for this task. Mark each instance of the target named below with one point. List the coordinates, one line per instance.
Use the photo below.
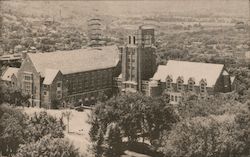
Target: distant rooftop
(7, 74)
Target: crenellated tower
(138, 59)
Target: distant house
(11, 57)
(247, 55)
(9, 76)
(243, 55)
(49, 21)
(32, 49)
(240, 25)
(180, 77)
(73, 75)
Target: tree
(48, 146)
(12, 127)
(97, 146)
(17, 128)
(12, 96)
(113, 141)
(41, 124)
(136, 115)
(243, 124)
(68, 115)
(212, 136)
(18, 98)
(94, 130)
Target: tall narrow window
(129, 39)
(191, 83)
(169, 82)
(180, 83)
(59, 94)
(172, 97)
(203, 85)
(59, 89)
(27, 82)
(134, 39)
(59, 84)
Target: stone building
(81, 75)
(177, 78)
(9, 76)
(69, 75)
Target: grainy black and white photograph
(124, 78)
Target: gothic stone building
(83, 74)
(177, 78)
(72, 75)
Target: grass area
(78, 126)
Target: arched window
(169, 81)
(180, 83)
(203, 84)
(191, 84)
(134, 40)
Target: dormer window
(169, 81)
(203, 84)
(180, 82)
(191, 84)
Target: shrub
(48, 146)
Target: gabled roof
(197, 71)
(76, 60)
(50, 75)
(7, 74)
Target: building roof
(50, 75)
(197, 71)
(16, 56)
(76, 60)
(7, 74)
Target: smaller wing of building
(9, 76)
(178, 78)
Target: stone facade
(83, 86)
(29, 81)
(178, 79)
(138, 60)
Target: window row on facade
(190, 86)
(90, 81)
